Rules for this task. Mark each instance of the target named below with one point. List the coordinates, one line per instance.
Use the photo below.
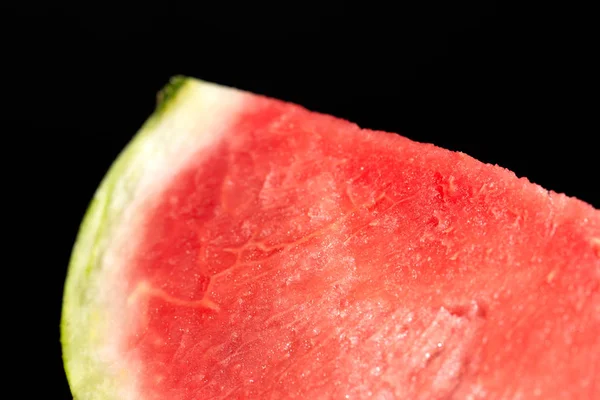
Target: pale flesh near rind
(191, 115)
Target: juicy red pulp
(301, 257)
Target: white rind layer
(192, 119)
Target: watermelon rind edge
(84, 249)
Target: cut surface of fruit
(244, 247)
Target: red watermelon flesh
(290, 254)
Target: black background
(508, 86)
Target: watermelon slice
(244, 247)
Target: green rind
(168, 93)
(85, 249)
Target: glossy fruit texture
(294, 255)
